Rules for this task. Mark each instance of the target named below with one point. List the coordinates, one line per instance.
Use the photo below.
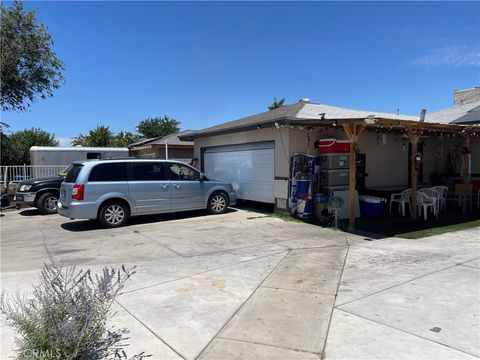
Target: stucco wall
(387, 163)
(386, 159)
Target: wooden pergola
(353, 129)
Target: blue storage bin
(372, 205)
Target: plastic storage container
(372, 205)
(332, 146)
(334, 161)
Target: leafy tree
(16, 147)
(277, 104)
(101, 136)
(7, 150)
(158, 126)
(125, 138)
(30, 68)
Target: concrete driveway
(246, 286)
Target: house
(167, 147)
(255, 152)
(465, 109)
(470, 118)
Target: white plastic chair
(401, 198)
(464, 195)
(442, 196)
(335, 205)
(424, 201)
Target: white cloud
(450, 55)
(64, 141)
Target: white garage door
(249, 167)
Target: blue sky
(205, 63)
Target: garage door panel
(249, 167)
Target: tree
(158, 127)
(277, 104)
(101, 136)
(30, 68)
(16, 147)
(125, 138)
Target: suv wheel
(218, 203)
(47, 203)
(113, 214)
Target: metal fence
(17, 173)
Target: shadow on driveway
(30, 212)
(86, 225)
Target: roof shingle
(449, 115)
(302, 110)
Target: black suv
(41, 193)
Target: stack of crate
(334, 165)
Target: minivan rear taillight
(77, 192)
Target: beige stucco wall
(387, 161)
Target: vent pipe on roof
(422, 115)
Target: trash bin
(320, 203)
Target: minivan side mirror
(202, 178)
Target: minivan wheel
(47, 203)
(113, 214)
(218, 203)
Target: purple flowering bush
(66, 318)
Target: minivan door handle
(176, 186)
(164, 186)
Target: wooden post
(413, 137)
(465, 162)
(352, 132)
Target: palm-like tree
(277, 104)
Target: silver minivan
(113, 190)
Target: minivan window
(72, 173)
(65, 171)
(147, 171)
(109, 172)
(180, 172)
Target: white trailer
(41, 156)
